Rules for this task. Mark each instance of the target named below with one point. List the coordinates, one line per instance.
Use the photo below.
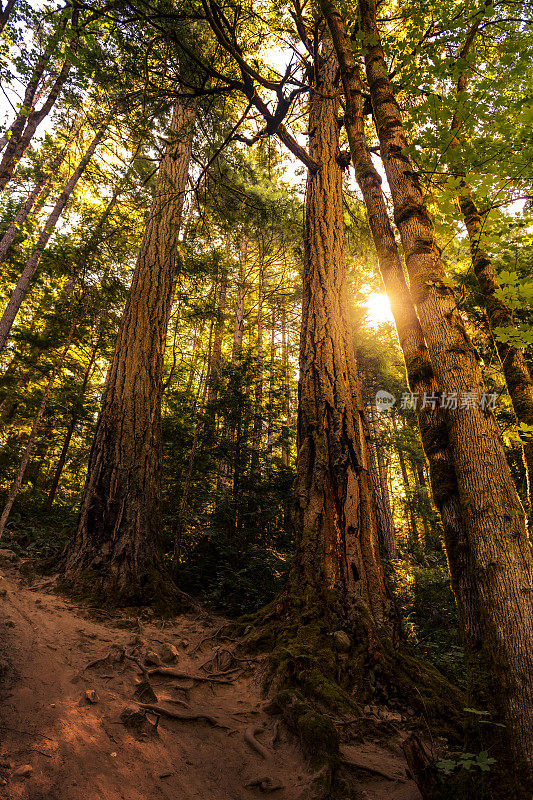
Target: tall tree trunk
(337, 555)
(74, 417)
(8, 405)
(389, 535)
(374, 474)
(513, 362)
(236, 353)
(216, 353)
(116, 538)
(15, 130)
(413, 529)
(194, 358)
(431, 419)
(21, 289)
(424, 506)
(25, 209)
(258, 400)
(17, 483)
(26, 124)
(6, 11)
(271, 382)
(285, 390)
(199, 407)
(500, 555)
(233, 413)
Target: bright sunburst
(379, 310)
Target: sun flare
(379, 310)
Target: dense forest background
(164, 246)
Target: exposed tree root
(249, 738)
(178, 673)
(349, 758)
(161, 711)
(322, 668)
(422, 768)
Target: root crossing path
(85, 716)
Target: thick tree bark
(335, 513)
(422, 382)
(25, 209)
(26, 124)
(115, 549)
(500, 555)
(513, 362)
(21, 289)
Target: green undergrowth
(33, 533)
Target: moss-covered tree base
(121, 589)
(325, 667)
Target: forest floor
(56, 658)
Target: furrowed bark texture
(500, 555)
(335, 512)
(115, 545)
(432, 423)
(21, 289)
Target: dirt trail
(80, 750)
